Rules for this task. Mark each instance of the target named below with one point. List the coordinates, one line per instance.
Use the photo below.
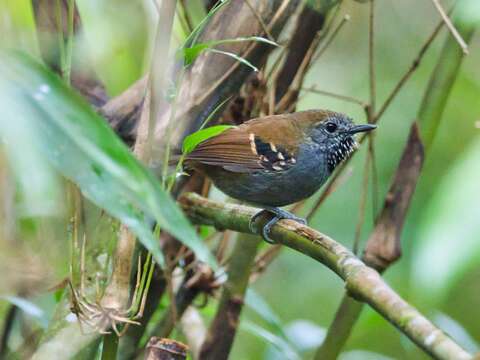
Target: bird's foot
(279, 214)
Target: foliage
(81, 146)
(192, 140)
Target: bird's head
(334, 134)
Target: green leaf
(287, 351)
(17, 26)
(448, 244)
(28, 308)
(116, 51)
(192, 140)
(255, 302)
(82, 147)
(236, 57)
(191, 53)
(192, 38)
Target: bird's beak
(362, 128)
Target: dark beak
(362, 128)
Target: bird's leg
(279, 214)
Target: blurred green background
(439, 270)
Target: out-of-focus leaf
(236, 57)
(80, 145)
(192, 38)
(287, 351)
(363, 355)
(196, 11)
(38, 195)
(305, 334)
(448, 241)
(457, 332)
(189, 54)
(255, 302)
(17, 26)
(28, 308)
(192, 140)
(115, 34)
(302, 335)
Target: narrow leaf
(236, 57)
(83, 148)
(189, 54)
(192, 140)
(287, 351)
(255, 302)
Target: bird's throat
(339, 151)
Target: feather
(267, 143)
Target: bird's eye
(331, 127)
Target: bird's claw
(279, 215)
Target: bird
(277, 160)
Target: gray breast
(280, 188)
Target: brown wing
(242, 149)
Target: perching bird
(276, 160)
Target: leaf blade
(191, 141)
(81, 146)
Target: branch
(451, 27)
(362, 282)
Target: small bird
(276, 160)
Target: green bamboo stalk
(110, 346)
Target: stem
(70, 36)
(117, 292)
(7, 329)
(61, 40)
(362, 282)
(362, 206)
(110, 346)
(223, 328)
(371, 58)
(451, 27)
(340, 330)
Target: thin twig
(70, 4)
(373, 163)
(371, 60)
(415, 64)
(451, 27)
(260, 21)
(346, 98)
(290, 97)
(332, 37)
(362, 205)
